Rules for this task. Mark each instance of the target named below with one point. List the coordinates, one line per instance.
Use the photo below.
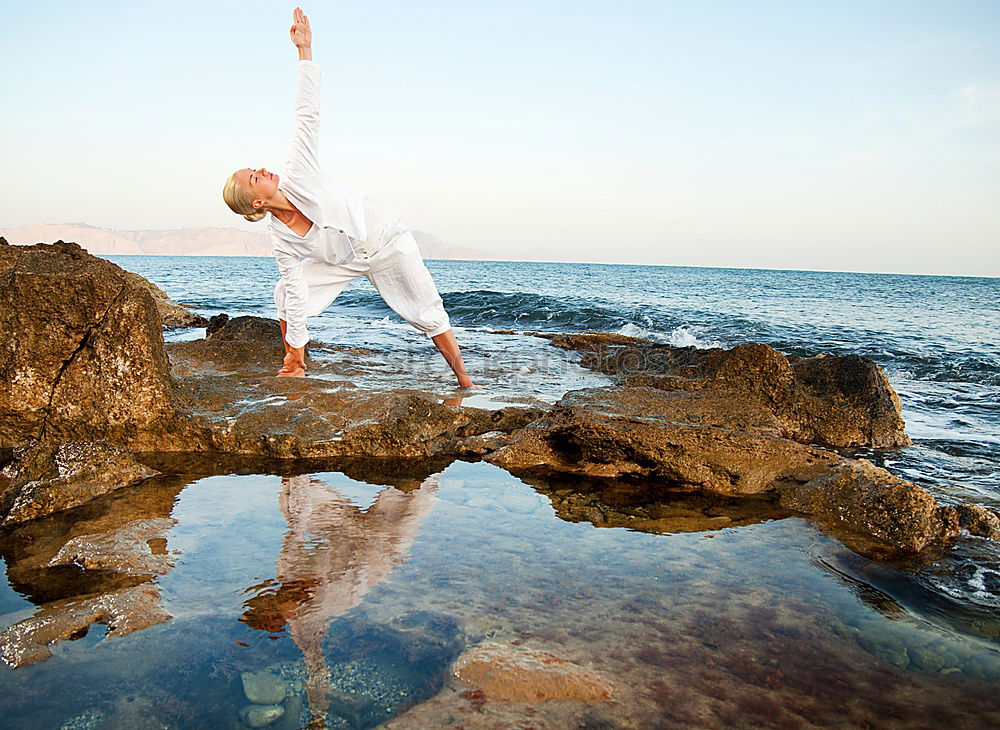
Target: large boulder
(646, 433)
(826, 400)
(81, 349)
(872, 509)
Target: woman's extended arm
(303, 156)
(301, 34)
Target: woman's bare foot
(294, 365)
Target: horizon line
(507, 260)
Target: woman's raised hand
(300, 31)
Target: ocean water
(359, 590)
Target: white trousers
(396, 270)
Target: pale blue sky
(846, 135)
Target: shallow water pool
(357, 594)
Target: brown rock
(834, 401)
(245, 329)
(642, 507)
(638, 433)
(517, 674)
(53, 477)
(172, 314)
(588, 340)
(97, 534)
(873, 509)
(977, 520)
(136, 548)
(123, 612)
(81, 349)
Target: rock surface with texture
(518, 674)
(827, 400)
(56, 476)
(868, 503)
(122, 611)
(81, 349)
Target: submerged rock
(263, 688)
(136, 548)
(518, 674)
(261, 715)
(122, 611)
(54, 477)
(115, 541)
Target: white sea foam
(632, 330)
(975, 590)
(685, 336)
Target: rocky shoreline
(93, 387)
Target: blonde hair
(240, 201)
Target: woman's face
(263, 185)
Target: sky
(857, 135)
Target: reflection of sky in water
(704, 613)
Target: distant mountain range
(198, 241)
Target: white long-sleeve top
(341, 216)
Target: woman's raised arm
(301, 34)
(303, 157)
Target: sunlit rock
(864, 502)
(977, 520)
(518, 674)
(635, 433)
(81, 349)
(172, 315)
(137, 548)
(828, 400)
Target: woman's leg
(284, 335)
(400, 276)
(325, 282)
(448, 347)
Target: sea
(755, 622)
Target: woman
(325, 234)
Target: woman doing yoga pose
(325, 234)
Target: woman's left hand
(300, 31)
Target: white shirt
(343, 220)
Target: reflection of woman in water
(326, 234)
(332, 555)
